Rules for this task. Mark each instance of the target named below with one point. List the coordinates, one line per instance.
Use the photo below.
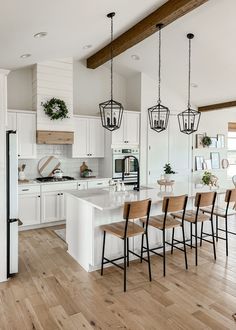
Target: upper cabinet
(128, 133)
(88, 138)
(25, 125)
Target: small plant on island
(168, 169)
(206, 141)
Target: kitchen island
(87, 210)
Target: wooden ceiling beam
(218, 106)
(166, 14)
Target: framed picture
(199, 138)
(215, 160)
(199, 163)
(213, 142)
(220, 141)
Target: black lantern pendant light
(111, 111)
(159, 114)
(189, 119)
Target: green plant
(168, 169)
(206, 141)
(206, 179)
(55, 109)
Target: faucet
(138, 170)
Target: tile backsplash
(70, 166)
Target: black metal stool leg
(191, 234)
(164, 253)
(172, 244)
(103, 251)
(148, 255)
(141, 259)
(196, 256)
(226, 233)
(125, 252)
(213, 239)
(185, 252)
(201, 234)
(217, 228)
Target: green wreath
(55, 109)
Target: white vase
(21, 175)
(167, 177)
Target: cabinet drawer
(59, 186)
(82, 185)
(24, 189)
(98, 184)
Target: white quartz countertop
(34, 182)
(107, 199)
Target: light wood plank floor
(53, 292)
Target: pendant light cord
(111, 58)
(189, 75)
(159, 69)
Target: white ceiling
(72, 24)
(213, 53)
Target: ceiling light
(87, 46)
(40, 35)
(25, 55)
(135, 57)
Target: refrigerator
(12, 202)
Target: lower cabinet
(29, 209)
(39, 204)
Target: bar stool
(204, 199)
(165, 221)
(230, 197)
(126, 229)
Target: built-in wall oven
(131, 165)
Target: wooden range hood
(54, 137)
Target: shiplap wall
(53, 79)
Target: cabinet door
(98, 184)
(50, 207)
(29, 209)
(80, 148)
(26, 127)
(131, 135)
(96, 138)
(118, 135)
(11, 121)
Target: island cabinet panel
(128, 134)
(89, 138)
(25, 125)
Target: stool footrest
(112, 262)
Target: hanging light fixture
(189, 119)
(111, 111)
(159, 114)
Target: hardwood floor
(52, 291)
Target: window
(231, 153)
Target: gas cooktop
(53, 179)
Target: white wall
(92, 87)
(168, 146)
(19, 84)
(134, 92)
(3, 106)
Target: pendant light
(159, 114)
(111, 111)
(189, 119)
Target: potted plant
(210, 180)
(206, 141)
(168, 172)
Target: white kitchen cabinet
(98, 184)
(128, 133)
(88, 138)
(29, 204)
(25, 125)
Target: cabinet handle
(25, 189)
(38, 196)
(58, 194)
(79, 184)
(61, 194)
(99, 183)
